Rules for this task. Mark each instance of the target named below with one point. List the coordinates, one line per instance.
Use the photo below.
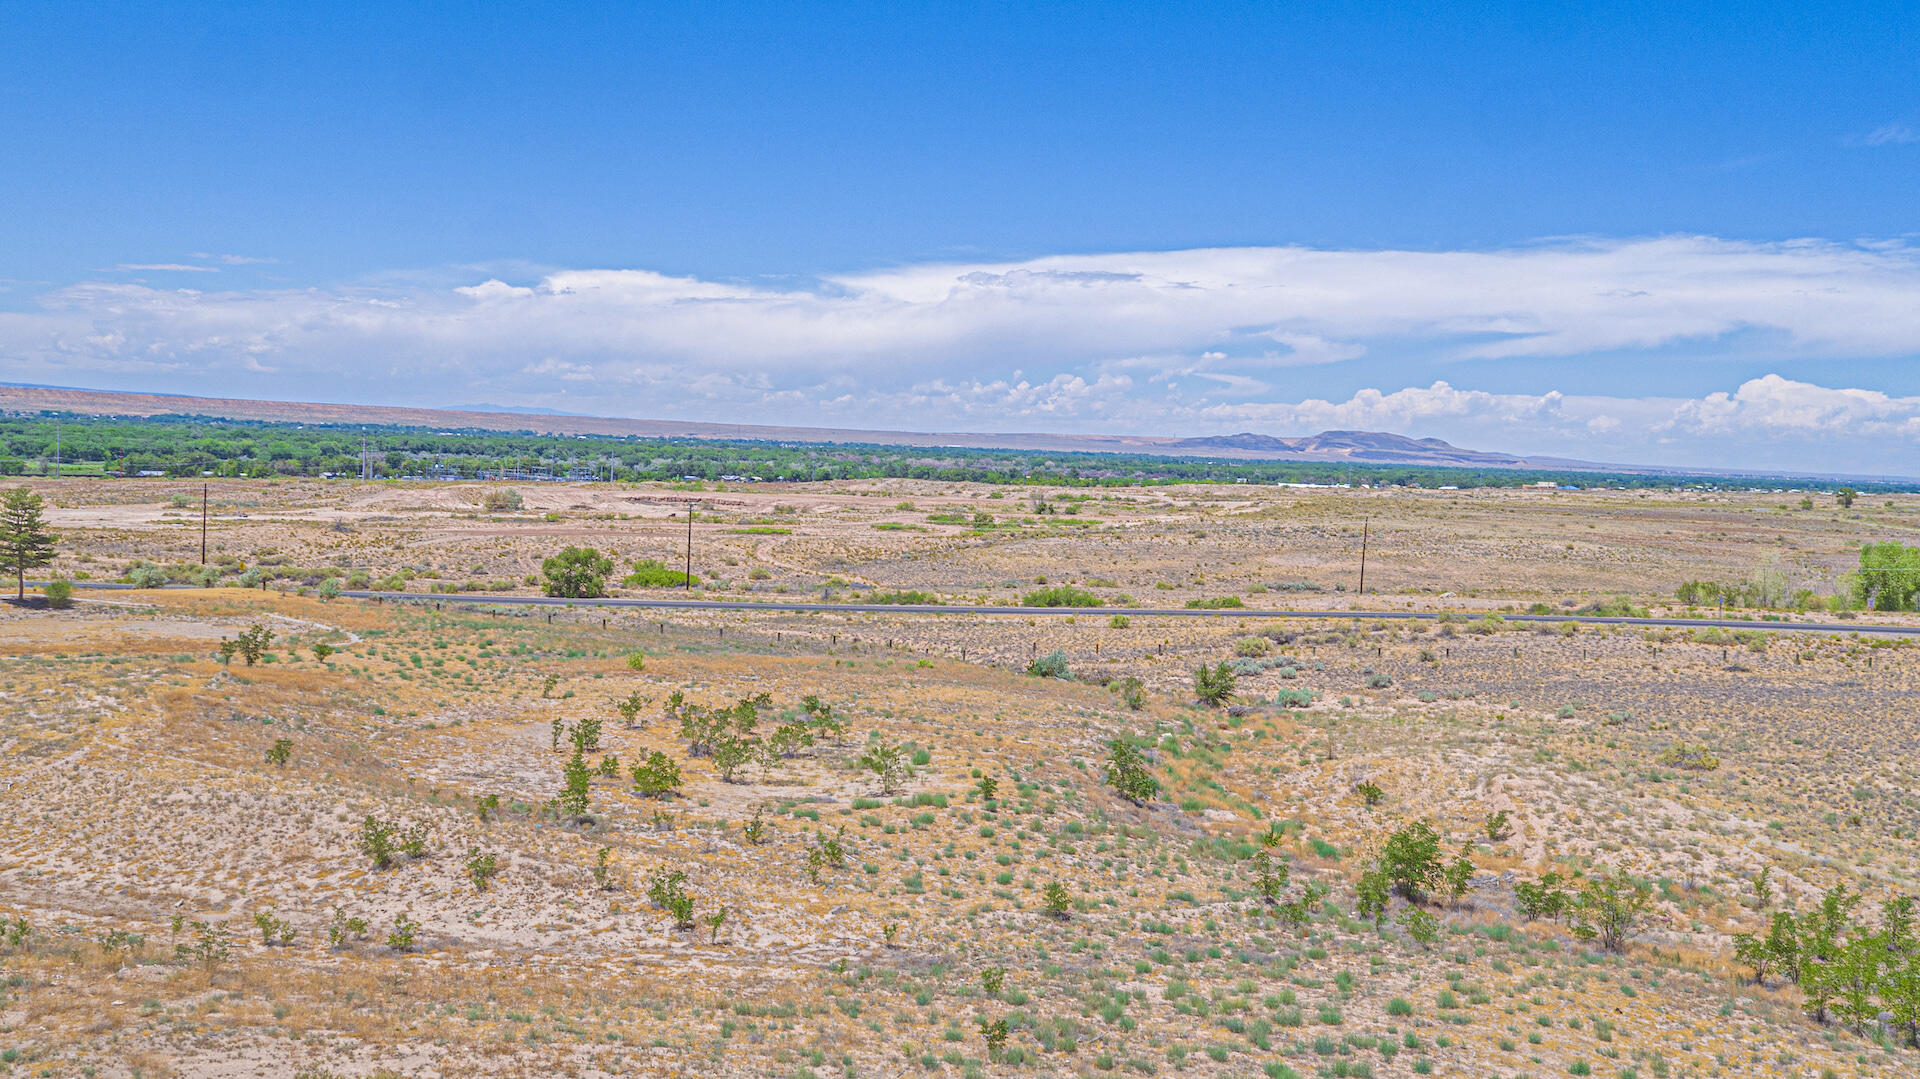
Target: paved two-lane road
(1131, 612)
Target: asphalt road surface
(1130, 612)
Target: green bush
(502, 500)
(1051, 665)
(1252, 646)
(652, 573)
(906, 598)
(59, 594)
(1215, 603)
(1061, 596)
(577, 573)
(146, 575)
(1214, 685)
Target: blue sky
(1640, 232)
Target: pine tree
(25, 542)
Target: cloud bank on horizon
(1173, 342)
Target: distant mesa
(1371, 447)
(514, 410)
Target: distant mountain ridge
(1358, 447)
(1371, 447)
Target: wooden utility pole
(689, 582)
(1364, 522)
(203, 524)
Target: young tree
(1214, 685)
(1889, 575)
(656, 777)
(1498, 826)
(1783, 944)
(1845, 497)
(1127, 772)
(376, 841)
(25, 542)
(577, 573)
(730, 754)
(994, 1032)
(668, 891)
(273, 931)
(576, 786)
(1058, 900)
(1542, 899)
(1902, 993)
(1373, 893)
(1411, 860)
(1269, 880)
(1819, 984)
(756, 830)
(585, 734)
(481, 869)
(252, 643)
(1610, 907)
(1459, 873)
(405, 929)
(1858, 976)
(630, 707)
(888, 762)
(1896, 916)
(1424, 928)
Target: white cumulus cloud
(1148, 342)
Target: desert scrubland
(431, 839)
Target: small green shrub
(1061, 596)
(652, 573)
(1051, 665)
